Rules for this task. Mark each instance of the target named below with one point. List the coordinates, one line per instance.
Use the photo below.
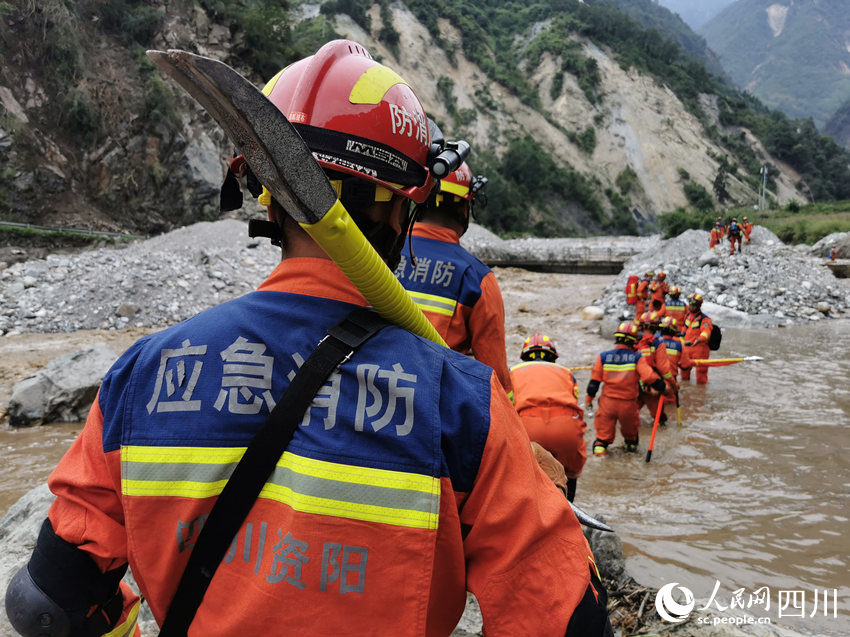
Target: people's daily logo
(671, 610)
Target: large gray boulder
(63, 390)
(18, 533)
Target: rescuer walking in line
(643, 292)
(457, 292)
(546, 397)
(651, 346)
(619, 371)
(747, 227)
(676, 308)
(697, 333)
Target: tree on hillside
(720, 191)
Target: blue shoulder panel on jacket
(443, 269)
(212, 381)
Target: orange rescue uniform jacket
(546, 398)
(676, 308)
(459, 294)
(677, 353)
(409, 481)
(659, 290)
(698, 329)
(652, 348)
(621, 369)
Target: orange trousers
(651, 402)
(613, 410)
(559, 430)
(700, 351)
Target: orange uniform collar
(427, 231)
(313, 276)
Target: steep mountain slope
(696, 13)
(838, 126)
(792, 54)
(568, 109)
(654, 15)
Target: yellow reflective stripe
(434, 303)
(593, 566)
(374, 84)
(128, 626)
(195, 455)
(527, 363)
(625, 367)
(455, 189)
(305, 484)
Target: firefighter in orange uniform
(546, 397)
(659, 288)
(658, 294)
(676, 308)
(697, 332)
(619, 371)
(715, 236)
(643, 291)
(651, 346)
(747, 227)
(456, 291)
(675, 346)
(409, 481)
(735, 235)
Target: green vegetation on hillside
(653, 16)
(801, 70)
(528, 179)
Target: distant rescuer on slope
(457, 292)
(409, 480)
(546, 397)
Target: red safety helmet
(458, 183)
(358, 117)
(536, 346)
(675, 291)
(627, 331)
(662, 275)
(695, 298)
(649, 274)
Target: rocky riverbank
(171, 277)
(766, 284)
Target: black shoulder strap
(244, 486)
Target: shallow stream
(751, 491)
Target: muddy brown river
(748, 500)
